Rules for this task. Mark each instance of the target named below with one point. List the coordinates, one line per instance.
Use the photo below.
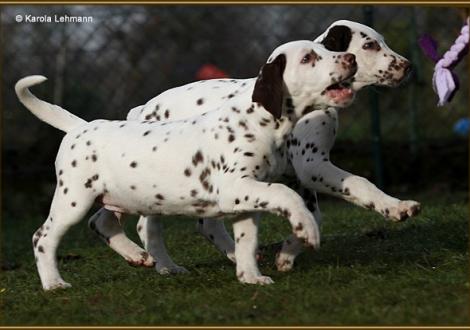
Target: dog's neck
(291, 113)
(294, 108)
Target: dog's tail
(49, 113)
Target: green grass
(368, 272)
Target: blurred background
(397, 138)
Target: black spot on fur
(299, 227)
(198, 158)
(144, 255)
(338, 38)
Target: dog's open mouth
(340, 91)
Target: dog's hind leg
(150, 231)
(108, 226)
(215, 232)
(66, 210)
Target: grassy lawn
(368, 272)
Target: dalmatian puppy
(314, 135)
(308, 150)
(149, 168)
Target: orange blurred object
(210, 71)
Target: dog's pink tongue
(340, 93)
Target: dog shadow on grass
(390, 244)
(408, 244)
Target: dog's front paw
(249, 278)
(404, 210)
(412, 208)
(284, 262)
(171, 270)
(308, 233)
(143, 260)
(60, 284)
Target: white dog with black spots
(308, 149)
(221, 162)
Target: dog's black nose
(350, 58)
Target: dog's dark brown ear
(338, 38)
(269, 86)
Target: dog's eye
(371, 45)
(307, 58)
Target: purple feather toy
(445, 82)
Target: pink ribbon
(445, 82)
